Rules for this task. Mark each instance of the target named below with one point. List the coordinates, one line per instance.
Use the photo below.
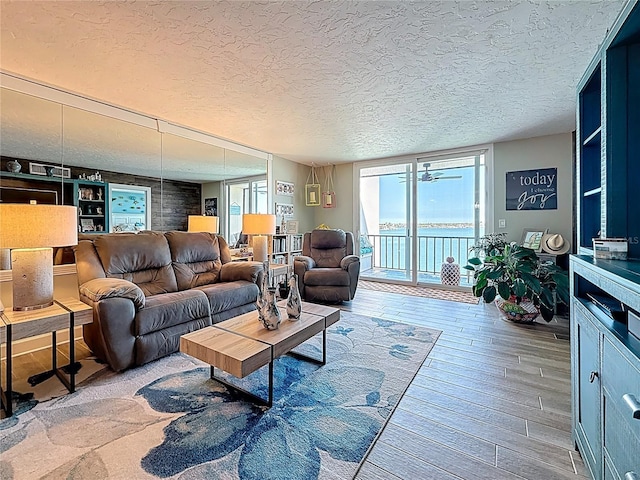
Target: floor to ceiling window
(243, 196)
(415, 214)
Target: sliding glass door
(415, 215)
(243, 196)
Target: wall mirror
(180, 171)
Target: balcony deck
(390, 260)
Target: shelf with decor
(605, 305)
(91, 199)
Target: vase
(14, 166)
(268, 312)
(523, 312)
(294, 302)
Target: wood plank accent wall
(179, 199)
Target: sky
(441, 201)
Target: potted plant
(488, 243)
(521, 284)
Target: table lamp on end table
(202, 223)
(30, 231)
(259, 226)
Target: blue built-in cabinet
(605, 356)
(608, 125)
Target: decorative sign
(532, 189)
(284, 188)
(211, 207)
(284, 209)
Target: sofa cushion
(144, 259)
(164, 311)
(327, 277)
(196, 258)
(165, 342)
(228, 295)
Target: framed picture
(87, 224)
(532, 189)
(284, 188)
(312, 194)
(291, 227)
(532, 238)
(211, 207)
(284, 209)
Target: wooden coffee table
(241, 345)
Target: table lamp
(30, 231)
(202, 223)
(259, 226)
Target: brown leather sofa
(150, 288)
(327, 270)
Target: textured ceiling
(322, 81)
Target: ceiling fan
(432, 177)
(427, 176)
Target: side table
(64, 313)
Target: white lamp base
(32, 273)
(260, 249)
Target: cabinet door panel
(588, 378)
(622, 432)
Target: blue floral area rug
(168, 419)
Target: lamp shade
(202, 223)
(36, 226)
(258, 224)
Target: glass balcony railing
(390, 257)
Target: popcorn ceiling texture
(323, 81)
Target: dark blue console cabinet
(605, 356)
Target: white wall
(539, 152)
(292, 172)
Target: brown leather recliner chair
(327, 269)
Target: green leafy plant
(515, 273)
(488, 243)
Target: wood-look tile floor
(492, 400)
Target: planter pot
(525, 312)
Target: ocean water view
(392, 248)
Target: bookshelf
(284, 247)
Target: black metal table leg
(252, 396)
(6, 396)
(307, 358)
(70, 382)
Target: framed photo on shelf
(291, 227)
(87, 225)
(284, 188)
(532, 238)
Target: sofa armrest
(304, 262)
(110, 336)
(348, 260)
(249, 271)
(103, 288)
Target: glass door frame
(250, 194)
(486, 150)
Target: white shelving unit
(284, 247)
